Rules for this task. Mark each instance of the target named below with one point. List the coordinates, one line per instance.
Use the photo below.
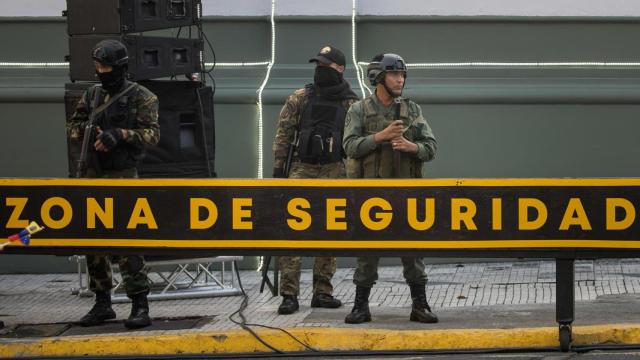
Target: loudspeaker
(85, 17)
(149, 57)
(187, 130)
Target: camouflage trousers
(301, 170)
(366, 273)
(132, 270)
(323, 270)
(132, 267)
(324, 267)
(131, 173)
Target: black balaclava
(326, 76)
(113, 80)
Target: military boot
(289, 305)
(139, 316)
(360, 312)
(100, 312)
(420, 310)
(325, 301)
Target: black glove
(278, 173)
(111, 138)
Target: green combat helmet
(383, 63)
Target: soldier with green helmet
(126, 120)
(308, 141)
(386, 136)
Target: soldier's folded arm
(427, 149)
(426, 141)
(356, 144)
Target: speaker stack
(186, 116)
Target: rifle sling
(102, 107)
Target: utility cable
(213, 65)
(243, 320)
(203, 130)
(245, 325)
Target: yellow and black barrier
(503, 217)
(560, 218)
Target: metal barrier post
(565, 300)
(273, 287)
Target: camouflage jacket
(289, 122)
(146, 109)
(369, 116)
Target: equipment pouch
(317, 146)
(336, 153)
(304, 146)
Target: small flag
(24, 236)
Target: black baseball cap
(328, 54)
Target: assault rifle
(89, 130)
(88, 138)
(396, 153)
(292, 149)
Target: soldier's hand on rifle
(107, 140)
(394, 130)
(402, 144)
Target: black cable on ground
(245, 325)
(243, 320)
(307, 346)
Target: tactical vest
(380, 162)
(321, 129)
(121, 114)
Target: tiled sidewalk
(31, 299)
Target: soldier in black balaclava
(312, 122)
(111, 54)
(123, 129)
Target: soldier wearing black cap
(312, 122)
(329, 55)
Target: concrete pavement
(480, 305)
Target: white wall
(374, 7)
(32, 7)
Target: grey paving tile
(30, 298)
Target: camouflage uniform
(370, 160)
(145, 109)
(288, 123)
(143, 105)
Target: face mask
(326, 76)
(113, 80)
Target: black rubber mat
(109, 327)
(35, 330)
